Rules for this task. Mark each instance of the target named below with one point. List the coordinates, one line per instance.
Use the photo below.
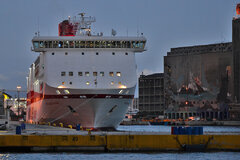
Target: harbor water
(123, 156)
(135, 156)
(162, 128)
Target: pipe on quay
(121, 142)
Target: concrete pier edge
(122, 143)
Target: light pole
(18, 90)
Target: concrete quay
(41, 138)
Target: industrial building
(204, 80)
(198, 81)
(151, 94)
(236, 57)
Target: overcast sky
(165, 23)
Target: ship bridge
(134, 44)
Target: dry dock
(48, 138)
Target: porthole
(53, 53)
(113, 53)
(66, 53)
(82, 53)
(96, 53)
(126, 53)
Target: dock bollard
(49, 123)
(61, 124)
(200, 130)
(78, 127)
(18, 130)
(89, 131)
(54, 124)
(70, 126)
(172, 130)
(23, 126)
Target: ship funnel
(76, 26)
(238, 9)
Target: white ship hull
(97, 109)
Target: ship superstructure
(80, 78)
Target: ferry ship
(81, 78)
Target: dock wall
(121, 142)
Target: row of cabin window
(111, 74)
(113, 53)
(89, 44)
(88, 83)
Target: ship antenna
(38, 32)
(138, 27)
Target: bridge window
(63, 73)
(77, 44)
(50, 44)
(97, 43)
(113, 44)
(41, 44)
(134, 44)
(82, 44)
(102, 44)
(126, 44)
(89, 44)
(60, 44)
(118, 44)
(65, 44)
(36, 44)
(108, 44)
(71, 44)
(95, 74)
(55, 44)
(46, 44)
(79, 73)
